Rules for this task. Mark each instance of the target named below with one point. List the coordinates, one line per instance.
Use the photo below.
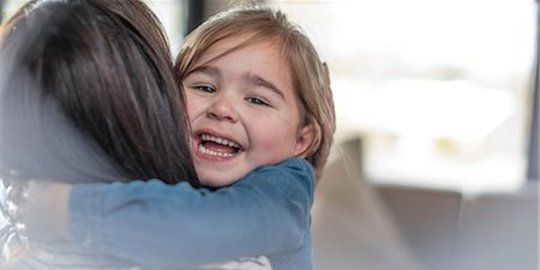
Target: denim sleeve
(159, 225)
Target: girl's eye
(205, 88)
(257, 101)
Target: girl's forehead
(240, 41)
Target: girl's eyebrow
(211, 71)
(257, 80)
(248, 76)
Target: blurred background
(435, 163)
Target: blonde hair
(263, 23)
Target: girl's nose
(223, 109)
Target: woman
(88, 94)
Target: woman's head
(231, 34)
(104, 66)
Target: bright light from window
(437, 89)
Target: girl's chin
(216, 179)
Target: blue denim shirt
(158, 225)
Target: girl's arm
(154, 224)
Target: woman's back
(87, 93)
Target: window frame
(533, 169)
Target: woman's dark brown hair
(106, 64)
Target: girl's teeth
(206, 151)
(206, 137)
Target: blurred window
(440, 91)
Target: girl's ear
(304, 139)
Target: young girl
(255, 80)
(255, 92)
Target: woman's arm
(159, 225)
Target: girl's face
(243, 111)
